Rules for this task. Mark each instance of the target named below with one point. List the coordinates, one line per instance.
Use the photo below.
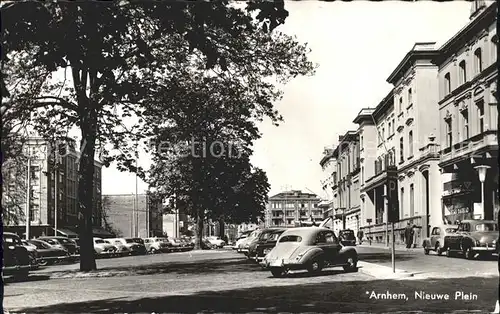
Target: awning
(66, 233)
(100, 232)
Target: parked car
(311, 248)
(261, 239)
(347, 237)
(103, 248)
(473, 237)
(187, 245)
(47, 254)
(156, 245)
(175, 244)
(241, 238)
(134, 247)
(121, 250)
(264, 248)
(216, 241)
(436, 241)
(62, 242)
(17, 261)
(245, 244)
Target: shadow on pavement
(346, 297)
(11, 279)
(383, 257)
(205, 266)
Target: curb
(413, 250)
(382, 272)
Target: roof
(421, 50)
(467, 32)
(364, 114)
(327, 155)
(294, 194)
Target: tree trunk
(85, 190)
(199, 229)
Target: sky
(356, 46)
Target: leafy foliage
(103, 67)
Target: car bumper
(484, 249)
(290, 264)
(7, 270)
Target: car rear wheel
(153, 250)
(42, 262)
(278, 272)
(352, 264)
(426, 249)
(449, 253)
(439, 251)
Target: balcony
(465, 148)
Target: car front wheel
(352, 264)
(315, 266)
(278, 272)
(469, 253)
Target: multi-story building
(290, 207)
(129, 215)
(346, 185)
(329, 166)
(53, 183)
(468, 114)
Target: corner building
(468, 114)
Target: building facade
(53, 183)
(346, 185)
(129, 215)
(290, 207)
(329, 167)
(468, 113)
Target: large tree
(109, 56)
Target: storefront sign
(461, 210)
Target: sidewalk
(399, 247)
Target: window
(362, 174)
(361, 141)
(410, 142)
(393, 126)
(410, 97)
(436, 231)
(447, 84)
(401, 150)
(330, 238)
(465, 123)
(291, 238)
(401, 202)
(412, 200)
(494, 47)
(383, 134)
(480, 115)
(449, 134)
(400, 104)
(389, 129)
(478, 58)
(463, 72)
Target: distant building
(127, 219)
(287, 208)
(43, 175)
(328, 164)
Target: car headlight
(246, 246)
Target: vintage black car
(311, 248)
(261, 239)
(436, 241)
(347, 237)
(47, 254)
(265, 247)
(473, 237)
(62, 242)
(17, 262)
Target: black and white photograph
(258, 156)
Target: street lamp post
(481, 170)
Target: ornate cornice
(400, 128)
(424, 167)
(410, 173)
(409, 121)
(462, 106)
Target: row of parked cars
(469, 238)
(304, 248)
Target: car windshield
(99, 241)
(137, 240)
(129, 240)
(50, 241)
(66, 241)
(291, 238)
(451, 230)
(486, 227)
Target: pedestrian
(414, 235)
(360, 236)
(408, 235)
